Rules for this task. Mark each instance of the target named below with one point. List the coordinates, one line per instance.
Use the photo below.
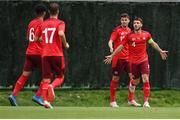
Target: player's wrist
(160, 51)
(111, 50)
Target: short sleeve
(148, 36)
(114, 35)
(61, 26)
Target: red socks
(113, 87)
(58, 81)
(146, 89)
(45, 91)
(38, 93)
(44, 87)
(19, 84)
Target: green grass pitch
(37, 112)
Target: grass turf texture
(95, 98)
(92, 104)
(89, 112)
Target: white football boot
(134, 103)
(47, 105)
(114, 104)
(146, 104)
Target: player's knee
(26, 73)
(46, 80)
(131, 76)
(145, 78)
(116, 78)
(60, 76)
(136, 81)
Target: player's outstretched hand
(67, 45)
(164, 54)
(108, 59)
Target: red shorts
(31, 62)
(119, 66)
(52, 64)
(140, 68)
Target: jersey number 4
(134, 44)
(49, 34)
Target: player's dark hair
(124, 15)
(138, 19)
(53, 8)
(40, 9)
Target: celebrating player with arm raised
(138, 57)
(120, 62)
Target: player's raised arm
(109, 57)
(163, 53)
(110, 44)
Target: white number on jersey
(49, 39)
(134, 44)
(31, 35)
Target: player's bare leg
(131, 91)
(113, 88)
(146, 89)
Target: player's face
(124, 21)
(137, 25)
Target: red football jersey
(51, 42)
(137, 46)
(117, 36)
(34, 48)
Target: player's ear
(128, 20)
(141, 24)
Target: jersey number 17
(49, 37)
